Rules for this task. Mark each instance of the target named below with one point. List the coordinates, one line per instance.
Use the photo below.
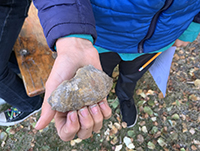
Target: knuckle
(88, 126)
(85, 136)
(109, 113)
(63, 138)
(98, 120)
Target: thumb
(46, 116)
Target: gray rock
(87, 87)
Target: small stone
(87, 87)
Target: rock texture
(87, 87)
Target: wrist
(72, 44)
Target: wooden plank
(34, 57)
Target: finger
(97, 117)
(86, 123)
(105, 109)
(67, 125)
(46, 116)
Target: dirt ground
(164, 124)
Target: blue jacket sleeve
(61, 18)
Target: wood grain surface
(34, 57)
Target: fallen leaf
(78, 140)
(192, 48)
(184, 127)
(153, 119)
(177, 102)
(114, 104)
(146, 115)
(142, 123)
(131, 146)
(144, 129)
(151, 103)
(124, 124)
(72, 142)
(175, 116)
(174, 135)
(140, 138)
(193, 97)
(128, 142)
(113, 130)
(173, 123)
(164, 130)
(107, 132)
(107, 138)
(139, 91)
(151, 145)
(114, 140)
(118, 147)
(148, 110)
(3, 144)
(198, 120)
(182, 149)
(130, 133)
(196, 142)
(154, 130)
(3, 136)
(169, 108)
(143, 95)
(192, 131)
(161, 142)
(150, 92)
(139, 149)
(176, 57)
(155, 123)
(110, 124)
(183, 117)
(117, 125)
(157, 134)
(197, 82)
(115, 74)
(140, 103)
(118, 117)
(160, 95)
(193, 147)
(191, 72)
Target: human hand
(180, 43)
(73, 53)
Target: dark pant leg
(129, 75)
(109, 61)
(12, 15)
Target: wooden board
(34, 57)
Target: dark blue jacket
(130, 26)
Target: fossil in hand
(87, 87)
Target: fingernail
(94, 109)
(84, 112)
(73, 116)
(102, 105)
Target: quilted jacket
(124, 26)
